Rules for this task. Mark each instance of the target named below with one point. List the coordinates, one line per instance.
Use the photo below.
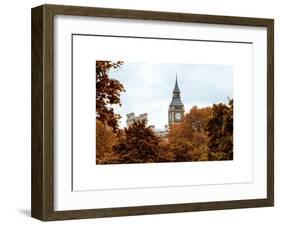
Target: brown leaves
(203, 134)
(220, 132)
(138, 144)
(105, 139)
(108, 92)
(208, 131)
(188, 139)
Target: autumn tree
(198, 117)
(138, 144)
(188, 139)
(181, 150)
(108, 91)
(220, 132)
(105, 139)
(179, 131)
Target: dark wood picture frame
(42, 203)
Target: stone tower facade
(131, 118)
(176, 108)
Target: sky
(149, 88)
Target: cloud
(149, 87)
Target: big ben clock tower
(176, 108)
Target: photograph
(163, 112)
(149, 111)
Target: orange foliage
(105, 139)
(138, 144)
(188, 139)
(203, 134)
(108, 92)
(220, 132)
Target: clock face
(178, 116)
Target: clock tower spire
(176, 108)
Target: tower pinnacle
(176, 89)
(176, 108)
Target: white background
(226, 177)
(87, 49)
(15, 113)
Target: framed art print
(141, 112)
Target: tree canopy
(108, 91)
(138, 144)
(220, 132)
(204, 134)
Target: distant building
(175, 114)
(176, 108)
(160, 132)
(131, 118)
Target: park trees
(203, 134)
(108, 91)
(220, 132)
(138, 144)
(188, 139)
(105, 140)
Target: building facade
(131, 118)
(160, 132)
(176, 108)
(175, 114)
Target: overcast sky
(149, 88)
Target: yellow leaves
(105, 139)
